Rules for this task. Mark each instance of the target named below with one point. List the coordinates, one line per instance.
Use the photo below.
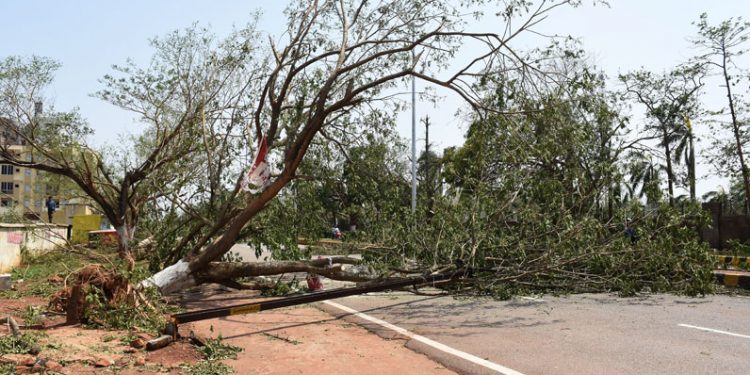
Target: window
(6, 187)
(6, 169)
(27, 171)
(27, 188)
(6, 202)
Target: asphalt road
(581, 334)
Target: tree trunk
(670, 172)
(691, 166)
(737, 135)
(124, 235)
(171, 279)
(328, 267)
(178, 276)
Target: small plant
(127, 339)
(739, 248)
(123, 315)
(32, 315)
(281, 288)
(7, 368)
(42, 289)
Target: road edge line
(429, 342)
(714, 331)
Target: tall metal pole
(413, 144)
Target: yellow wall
(82, 224)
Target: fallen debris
(13, 326)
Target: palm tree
(685, 152)
(644, 172)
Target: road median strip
(734, 260)
(736, 279)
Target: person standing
(630, 231)
(51, 207)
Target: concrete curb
(449, 361)
(733, 260)
(735, 279)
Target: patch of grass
(108, 338)
(7, 368)
(101, 348)
(216, 350)
(213, 352)
(9, 294)
(277, 337)
(206, 368)
(54, 345)
(127, 339)
(20, 344)
(35, 271)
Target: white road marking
(714, 331)
(445, 348)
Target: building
(24, 191)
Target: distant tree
(429, 172)
(685, 152)
(667, 98)
(644, 172)
(720, 45)
(192, 77)
(732, 201)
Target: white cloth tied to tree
(259, 174)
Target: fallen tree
(336, 69)
(331, 81)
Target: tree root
(114, 288)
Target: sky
(88, 36)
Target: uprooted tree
(336, 69)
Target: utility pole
(413, 142)
(429, 188)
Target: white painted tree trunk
(171, 279)
(125, 233)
